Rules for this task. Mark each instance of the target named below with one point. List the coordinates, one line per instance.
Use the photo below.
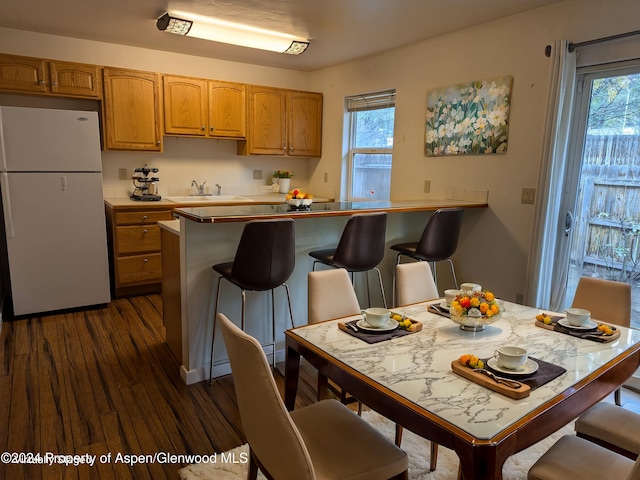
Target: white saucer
(363, 325)
(444, 305)
(528, 368)
(589, 325)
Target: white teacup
(376, 317)
(577, 316)
(511, 358)
(470, 287)
(450, 295)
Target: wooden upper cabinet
(35, 75)
(132, 110)
(74, 79)
(227, 109)
(266, 125)
(185, 106)
(304, 123)
(204, 108)
(22, 74)
(283, 122)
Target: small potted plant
(283, 179)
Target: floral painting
(469, 119)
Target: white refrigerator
(53, 207)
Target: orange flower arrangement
(475, 304)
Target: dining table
(408, 377)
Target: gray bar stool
(360, 249)
(264, 260)
(438, 242)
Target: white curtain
(544, 289)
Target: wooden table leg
(291, 374)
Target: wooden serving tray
(485, 381)
(597, 338)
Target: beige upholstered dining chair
(331, 296)
(414, 283)
(574, 458)
(612, 427)
(322, 441)
(607, 301)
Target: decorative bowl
(303, 204)
(296, 202)
(473, 324)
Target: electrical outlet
(427, 186)
(326, 177)
(122, 174)
(528, 196)
(257, 174)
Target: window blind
(371, 101)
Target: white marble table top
(418, 366)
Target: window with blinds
(371, 125)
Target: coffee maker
(145, 186)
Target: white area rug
(417, 448)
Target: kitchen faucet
(219, 189)
(200, 188)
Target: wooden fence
(608, 227)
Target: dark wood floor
(104, 382)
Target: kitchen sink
(208, 199)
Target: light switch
(528, 196)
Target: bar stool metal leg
(286, 287)
(384, 299)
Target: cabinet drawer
(137, 239)
(139, 268)
(142, 218)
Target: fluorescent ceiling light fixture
(183, 23)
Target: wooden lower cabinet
(139, 268)
(135, 250)
(171, 293)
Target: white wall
(495, 245)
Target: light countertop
(245, 212)
(267, 199)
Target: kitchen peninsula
(204, 236)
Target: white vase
(285, 185)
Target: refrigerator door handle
(6, 204)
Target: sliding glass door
(601, 199)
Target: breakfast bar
(209, 235)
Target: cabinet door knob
(145, 260)
(54, 84)
(41, 82)
(158, 142)
(212, 128)
(144, 217)
(202, 128)
(145, 230)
